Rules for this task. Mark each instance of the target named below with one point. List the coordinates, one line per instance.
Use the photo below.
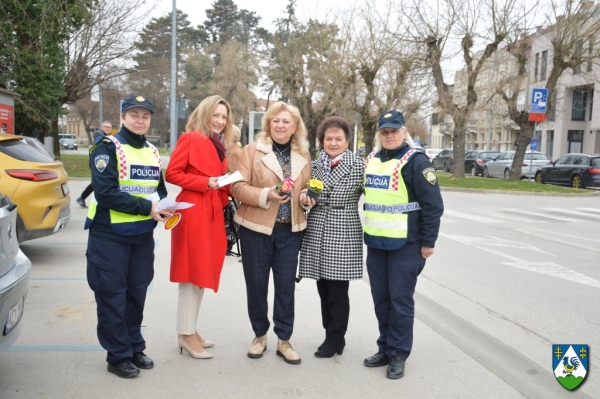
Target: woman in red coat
(198, 241)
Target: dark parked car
(575, 170)
(476, 160)
(444, 160)
(68, 144)
(15, 269)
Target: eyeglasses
(110, 127)
(387, 132)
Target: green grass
(77, 166)
(483, 183)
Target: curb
(532, 193)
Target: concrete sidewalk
(58, 355)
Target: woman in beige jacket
(271, 224)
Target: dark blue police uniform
(119, 267)
(393, 272)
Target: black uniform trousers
(88, 190)
(393, 278)
(262, 253)
(335, 309)
(119, 274)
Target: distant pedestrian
(99, 135)
(127, 179)
(403, 207)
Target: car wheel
(539, 178)
(473, 170)
(506, 174)
(485, 173)
(446, 169)
(576, 182)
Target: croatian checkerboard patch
(101, 161)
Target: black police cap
(391, 119)
(137, 101)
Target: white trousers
(188, 307)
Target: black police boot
(328, 350)
(142, 361)
(377, 360)
(123, 368)
(396, 368)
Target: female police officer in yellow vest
(128, 183)
(403, 207)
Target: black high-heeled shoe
(329, 350)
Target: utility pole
(173, 102)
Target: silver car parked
(500, 166)
(15, 269)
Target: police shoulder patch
(101, 161)
(429, 175)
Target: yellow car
(37, 183)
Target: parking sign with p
(539, 98)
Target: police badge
(429, 175)
(101, 161)
(570, 364)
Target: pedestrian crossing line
(468, 216)
(566, 235)
(572, 212)
(593, 210)
(515, 218)
(528, 212)
(561, 241)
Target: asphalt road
(511, 276)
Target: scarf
(328, 163)
(216, 140)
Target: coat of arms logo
(570, 364)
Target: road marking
(561, 241)
(547, 268)
(560, 234)
(469, 216)
(562, 219)
(571, 212)
(515, 218)
(593, 210)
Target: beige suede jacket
(260, 170)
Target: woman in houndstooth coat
(332, 247)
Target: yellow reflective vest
(386, 203)
(139, 175)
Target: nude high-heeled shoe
(204, 342)
(196, 355)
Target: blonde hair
(201, 117)
(299, 141)
(377, 146)
(237, 133)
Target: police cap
(391, 119)
(137, 101)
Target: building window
(552, 108)
(577, 52)
(591, 102)
(578, 110)
(575, 140)
(589, 63)
(549, 142)
(544, 65)
(535, 71)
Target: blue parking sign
(539, 98)
(533, 146)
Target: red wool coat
(198, 241)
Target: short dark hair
(329, 122)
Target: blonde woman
(198, 241)
(271, 224)
(234, 150)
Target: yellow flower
(315, 185)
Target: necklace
(281, 151)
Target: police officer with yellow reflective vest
(403, 207)
(128, 183)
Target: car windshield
(595, 161)
(433, 152)
(22, 151)
(536, 157)
(488, 155)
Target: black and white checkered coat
(332, 247)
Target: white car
(500, 166)
(432, 152)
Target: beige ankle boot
(258, 346)
(286, 351)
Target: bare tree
(475, 25)
(571, 34)
(383, 65)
